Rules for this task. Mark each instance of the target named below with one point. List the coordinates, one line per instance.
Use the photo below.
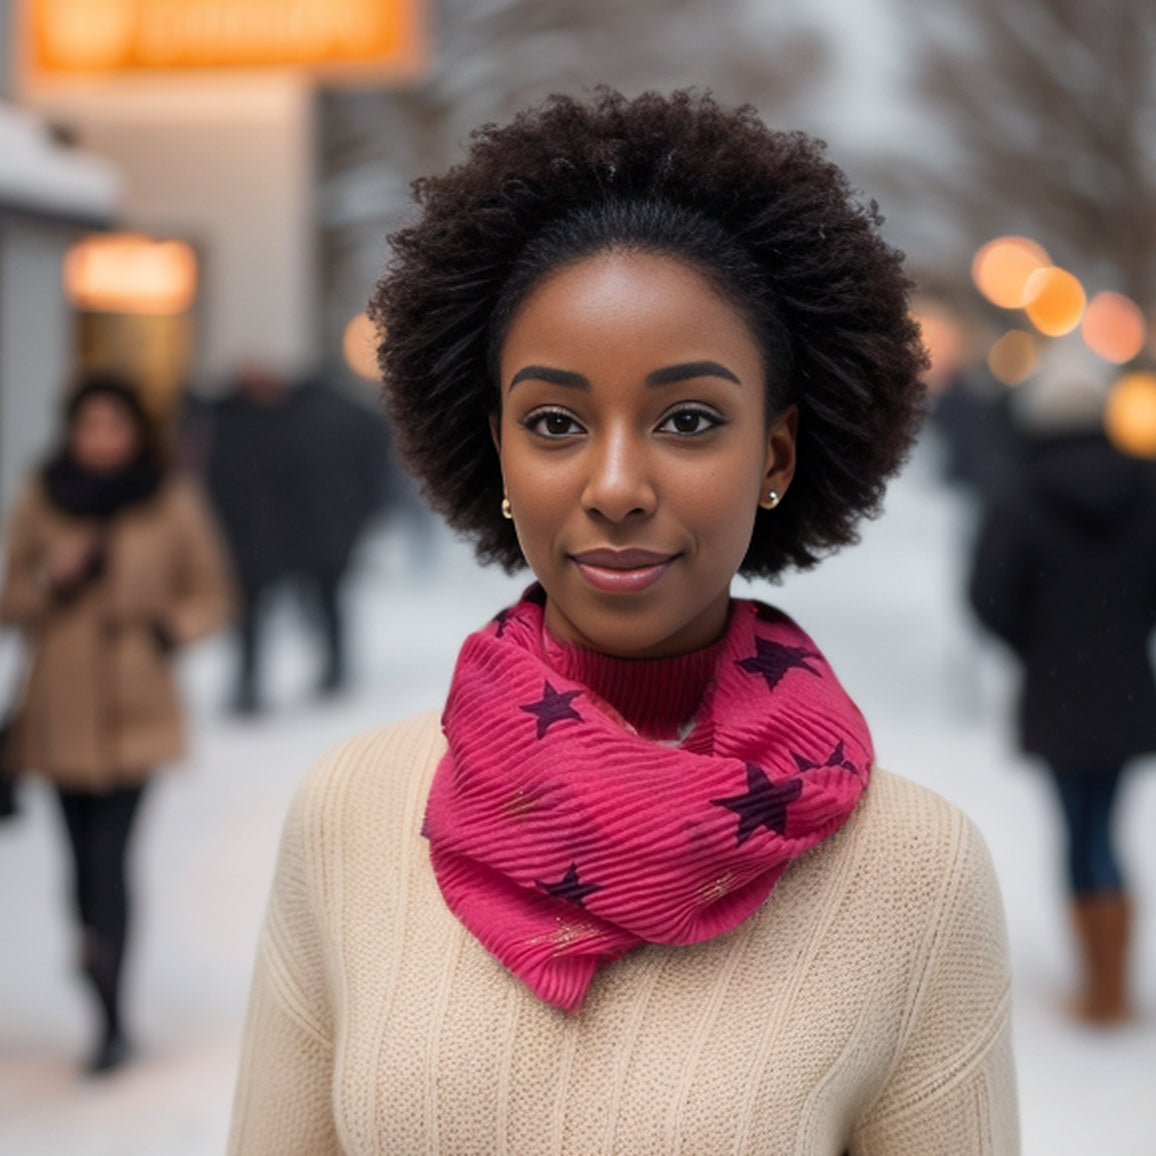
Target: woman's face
(104, 437)
(635, 450)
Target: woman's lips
(622, 571)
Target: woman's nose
(618, 483)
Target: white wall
(35, 345)
(228, 164)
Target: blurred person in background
(250, 481)
(636, 346)
(971, 413)
(112, 566)
(296, 472)
(1065, 573)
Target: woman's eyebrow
(668, 375)
(672, 374)
(550, 376)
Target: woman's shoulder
(374, 777)
(913, 848)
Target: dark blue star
(504, 617)
(554, 707)
(569, 888)
(837, 759)
(764, 804)
(772, 660)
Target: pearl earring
(773, 499)
(506, 511)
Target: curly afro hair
(762, 214)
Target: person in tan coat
(112, 565)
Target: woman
(1065, 574)
(632, 895)
(112, 565)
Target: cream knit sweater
(863, 1010)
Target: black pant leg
(111, 826)
(103, 823)
(327, 582)
(75, 806)
(248, 640)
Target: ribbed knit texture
(864, 1009)
(563, 839)
(658, 697)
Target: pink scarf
(562, 839)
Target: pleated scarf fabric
(562, 839)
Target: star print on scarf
(553, 707)
(544, 816)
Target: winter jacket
(1065, 574)
(295, 482)
(100, 707)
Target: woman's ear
(780, 468)
(496, 430)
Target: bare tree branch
(1049, 107)
(495, 56)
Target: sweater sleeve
(952, 1087)
(284, 1100)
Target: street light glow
(1012, 358)
(359, 345)
(1001, 268)
(1054, 300)
(1114, 327)
(1130, 415)
(130, 273)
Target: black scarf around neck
(93, 495)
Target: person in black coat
(340, 451)
(250, 478)
(295, 472)
(1065, 573)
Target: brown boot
(1102, 921)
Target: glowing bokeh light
(1055, 300)
(1113, 327)
(359, 345)
(1001, 268)
(1130, 415)
(129, 273)
(942, 337)
(1013, 357)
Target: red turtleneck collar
(657, 696)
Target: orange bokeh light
(1001, 268)
(1130, 415)
(1055, 300)
(1013, 357)
(359, 345)
(129, 273)
(943, 339)
(1114, 327)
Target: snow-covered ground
(888, 614)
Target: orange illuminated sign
(73, 38)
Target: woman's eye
(553, 424)
(690, 421)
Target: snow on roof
(39, 175)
